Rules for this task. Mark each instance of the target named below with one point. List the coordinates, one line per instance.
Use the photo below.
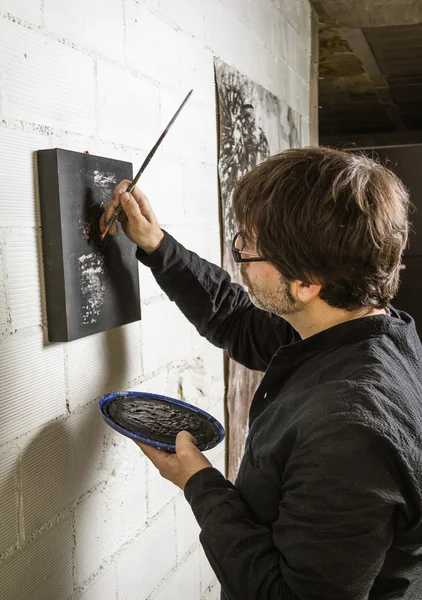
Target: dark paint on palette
(91, 285)
(156, 420)
(160, 421)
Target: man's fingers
(143, 204)
(112, 205)
(106, 216)
(113, 229)
(185, 444)
(185, 437)
(131, 209)
(119, 189)
(154, 454)
(140, 199)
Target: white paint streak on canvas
(103, 181)
(93, 286)
(84, 229)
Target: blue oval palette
(155, 420)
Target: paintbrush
(144, 165)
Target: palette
(156, 420)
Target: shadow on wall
(57, 466)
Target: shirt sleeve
(335, 524)
(219, 309)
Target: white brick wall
(45, 82)
(104, 587)
(189, 15)
(9, 465)
(137, 578)
(185, 582)
(166, 335)
(17, 148)
(147, 52)
(84, 515)
(32, 384)
(74, 21)
(160, 491)
(193, 135)
(201, 192)
(27, 10)
(102, 352)
(196, 67)
(208, 578)
(128, 107)
(23, 269)
(96, 534)
(41, 569)
(4, 305)
(45, 466)
(187, 529)
(166, 190)
(212, 592)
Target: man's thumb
(185, 444)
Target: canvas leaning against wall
(253, 125)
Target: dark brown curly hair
(321, 215)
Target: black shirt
(328, 500)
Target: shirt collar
(346, 333)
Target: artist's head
(331, 225)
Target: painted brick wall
(83, 516)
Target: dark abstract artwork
(91, 285)
(253, 125)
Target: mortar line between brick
(78, 48)
(64, 514)
(42, 15)
(74, 568)
(110, 560)
(169, 575)
(21, 517)
(66, 378)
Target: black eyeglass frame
(237, 254)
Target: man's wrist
(154, 244)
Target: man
(328, 499)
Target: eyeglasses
(238, 253)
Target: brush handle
(157, 144)
(144, 165)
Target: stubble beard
(277, 300)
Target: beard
(274, 299)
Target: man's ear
(304, 292)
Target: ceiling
(370, 69)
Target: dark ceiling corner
(370, 70)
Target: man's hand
(178, 468)
(137, 218)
